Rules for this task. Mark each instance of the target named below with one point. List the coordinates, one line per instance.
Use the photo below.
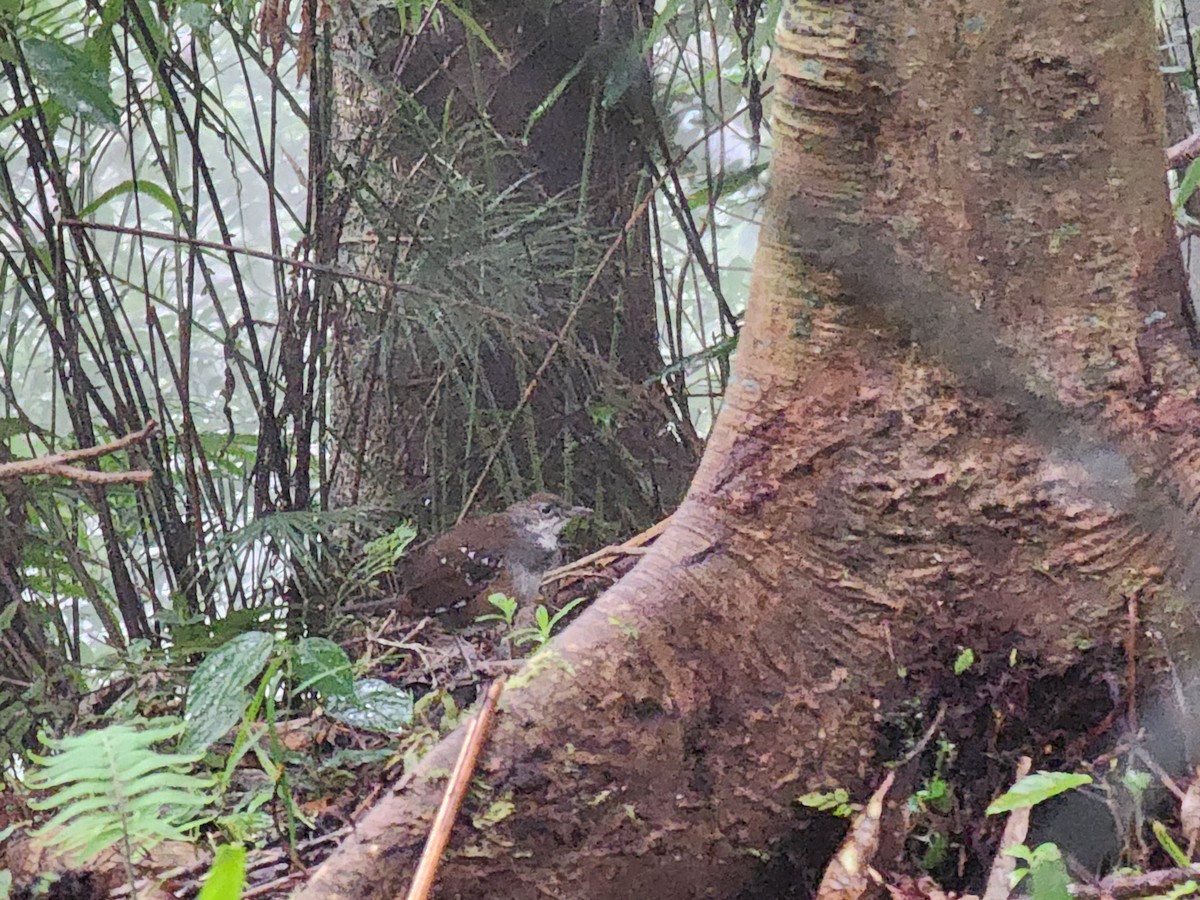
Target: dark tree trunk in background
(35, 672)
(433, 382)
(963, 416)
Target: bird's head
(545, 516)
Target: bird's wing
(445, 573)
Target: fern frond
(111, 786)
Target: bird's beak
(579, 512)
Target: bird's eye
(546, 508)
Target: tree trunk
(963, 416)
(498, 370)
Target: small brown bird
(508, 552)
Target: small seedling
(544, 624)
(964, 661)
(507, 609)
(1046, 870)
(837, 802)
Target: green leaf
(1136, 782)
(731, 184)
(964, 661)
(384, 552)
(495, 814)
(12, 426)
(216, 696)
(111, 14)
(469, 23)
(603, 415)
(721, 350)
(323, 666)
(149, 188)
(836, 802)
(661, 20)
(375, 706)
(110, 786)
(196, 15)
(1020, 851)
(1187, 889)
(7, 615)
(507, 609)
(75, 78)
(1033, 789)
(547, 102)
(227, 874)
(565, 611)
(937, 849)
(410, 13)
(20, 115)
(1048, 878)
(158, 43)
(624, 69)
(1187, 185)
(97, 50)
(1168, 843)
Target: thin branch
(1120, 887)
(218, 246)
(1184, 152)
(87, 476)
(925, 738)
(635, 546)
(58, 463)
(999, 883)
(439, 833)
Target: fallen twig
(632, 547)
(256, 860)
(850, 874)
(1145, 884)
(456, 789)
(920, 746)
(1131, 635)
(1184, 152)
(999, 883)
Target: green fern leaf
(110, 786)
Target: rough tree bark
(963, 414)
